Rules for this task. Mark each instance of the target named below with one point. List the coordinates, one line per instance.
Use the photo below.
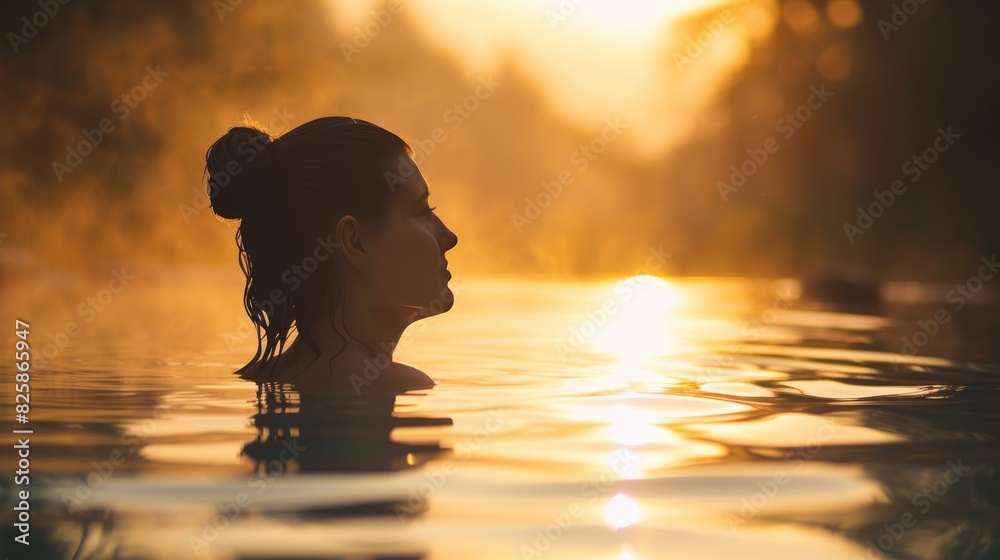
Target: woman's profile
(338, 243)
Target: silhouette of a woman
(337, 240)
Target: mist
(111, 107)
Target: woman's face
(407, 253)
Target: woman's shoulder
(368, 377)
(348, 373)
(398, 372)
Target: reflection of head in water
(336, 236)
(316, 433)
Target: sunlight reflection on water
(571, 420)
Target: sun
(640, 323)
(588, 58)
(632, 18)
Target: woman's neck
(370, 331)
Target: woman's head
(331, 213)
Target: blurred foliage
(938, 69)
(890, 96)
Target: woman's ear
(348, 234)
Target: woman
(337, 240)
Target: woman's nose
(446, 238)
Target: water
(678, 418)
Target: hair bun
(237, 166)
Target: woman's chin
(447, 299)
(447, 304)
(443, 302)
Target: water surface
(640, 419)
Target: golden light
(632, 427)
(624, 463)
(801, 17)
(634, 19)
(626, 554)
(622, 512)
(834, 62)
(639, 319)
(570, 48)
(628, 371)
(843, 13)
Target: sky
(563, 137)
